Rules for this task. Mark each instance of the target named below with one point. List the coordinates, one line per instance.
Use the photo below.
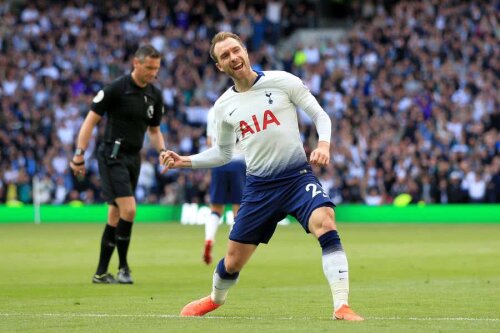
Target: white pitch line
(107, 315)
(436, 319)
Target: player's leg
(335, 267)
(218, 197)
(225, 276)
(228, 269)
(255, 224)
(127, 207)
(108, 242)
(211, 226)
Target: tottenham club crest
(268, 95)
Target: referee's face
(145, 71)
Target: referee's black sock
(123, 231)
(108, 243)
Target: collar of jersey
(134, 85)
(259, 75)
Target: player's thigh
(304, 197)
(257, 217)
(218, 186)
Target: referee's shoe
(124, 276)
(105, 278)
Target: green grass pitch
(404, 278)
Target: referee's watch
(79, 152)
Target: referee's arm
(156, 138)
(78, 161)
(86, 130)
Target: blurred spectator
(412, 90)
(373, 197)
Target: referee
(132, 105)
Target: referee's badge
(99, 97)
(151, 111)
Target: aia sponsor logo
(268, 119)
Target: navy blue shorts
(267, 201)
(227, 182)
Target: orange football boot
(346, 313)
(199, 307)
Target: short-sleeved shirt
(130, 110)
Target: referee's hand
(170, 160)
(77, 165)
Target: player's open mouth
(238, 67)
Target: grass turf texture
(404, 278)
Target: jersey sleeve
(104, 99)
(302, 97)
(225, 134)
(211, 124)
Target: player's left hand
(321, 155)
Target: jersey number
(314, 190)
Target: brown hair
(219, 37)
(147, 51)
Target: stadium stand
(411, 87)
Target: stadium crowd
(412, 90)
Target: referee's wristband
(78, 163)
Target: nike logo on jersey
(230, 113)
(340, 271)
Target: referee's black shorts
(119, 176)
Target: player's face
(146, 70)
(232, 58)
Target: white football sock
(211, 225)
(220, 288)
(336, 271)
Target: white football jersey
(264, 121)
(212, 133)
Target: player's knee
(322, 220)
